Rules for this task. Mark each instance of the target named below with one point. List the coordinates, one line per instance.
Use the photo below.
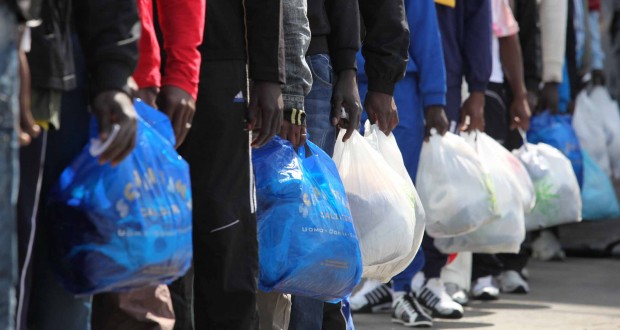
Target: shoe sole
(486, 297)
(421, 324)
(453, 316)
(519, 290)
(367, 309)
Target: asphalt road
(575, 294)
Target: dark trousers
(225, 242)
(497, 120)
(435, 260)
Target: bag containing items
(121, 227)
(558, 198)
(505, 234)
(388, 148)
(381, 203)
(456, 192)
(307, 241)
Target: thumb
(336, 109)
(104, 122)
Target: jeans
(307, 313)
(9, 176)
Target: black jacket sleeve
(265, 40)
(109, 31)
(526, 13)
(343, 39)
(385, 44)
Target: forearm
(296, 39)
(265, 40)
(553, 19)
(182, 23)
(386, 43)
(477, 44)
(512, 63)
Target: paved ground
(576, 294)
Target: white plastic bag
(609, 114)
(590, 131)
(505, 234)
(558, 198)
(457, 194)
(383, 211)
(388, 148)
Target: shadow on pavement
(507, 305)
(476, 312)
(460, 325)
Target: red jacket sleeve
(147, 73)
(182, 24)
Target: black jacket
(335, 27)
(25, 9)
(385, 43)
(108, 31)
(225, 36)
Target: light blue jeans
(9, 164)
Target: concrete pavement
(576, 294)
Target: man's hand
(115, 107)
(265, 111)
(148, 95)
(520, 113)
(435, 118)
(549, 98)
(382, 110)
(532, 100)
(598, 78)
(346, 95)
(294, 133)
(28, 129)
(474, 109)
(180, 107)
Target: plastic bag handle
(523, 137)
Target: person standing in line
(502, 116)
(420, 98)
(182, 25)
(238, 107)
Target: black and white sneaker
(407, 311)
(373, 297)
(439, 304)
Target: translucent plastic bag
(388, 148)
(609, 114)
(558, 198)
(457, 194)
(307, 241)
(128, 226)
(381, 204)
(598, 194)
(589, 127)
(505, 234)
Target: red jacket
(182, 24)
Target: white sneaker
(484, 289)
(457, 293)
(511, 282)
(434, 298)
(547, 247)
(372, 297)
(407, 311)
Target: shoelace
(407, 306)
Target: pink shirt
(504, 22)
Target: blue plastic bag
(598, 194)
(307, 241)
(557, 131)
(124, 227)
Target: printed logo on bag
(546, 201)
